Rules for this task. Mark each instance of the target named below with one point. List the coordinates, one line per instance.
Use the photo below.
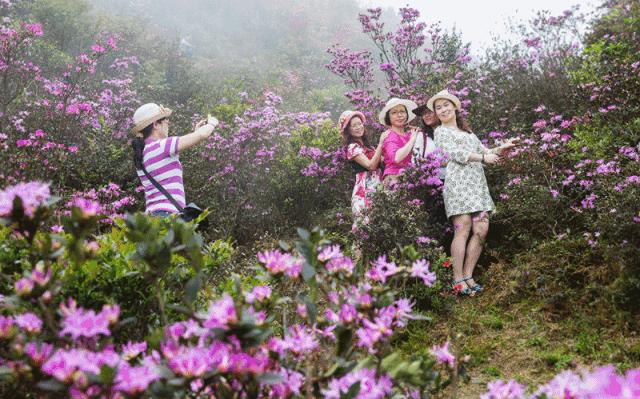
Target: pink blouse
(390, 146)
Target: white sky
(478, 19)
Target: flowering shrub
(335, 336)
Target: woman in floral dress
(466, 194)
(364, 159)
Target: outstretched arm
(203, 130)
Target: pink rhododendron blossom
(85, 323)
(504, 390)
(381, 269)
(6, 326)
(190, 362)
(32, 194)
(29, 322)
(277, 262)
(132, 349)
(259, 293)
(442, 354)
(420, 269)
(135, 380)
(24, 286)
(221, 313)
(370, 386)
(38, 352)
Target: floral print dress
(465, 188)
(366, 182)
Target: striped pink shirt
(160, 159)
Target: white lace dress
(465, 188)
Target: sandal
(457, 288)
(476, 287)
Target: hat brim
(164, 113)
(348, 120)
(446, 96)
(394, 102)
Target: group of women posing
(466, 194)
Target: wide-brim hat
(147, 114)
(346, 117)
(444, 94)
(410, 105)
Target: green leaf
(390, 361)
(303, 234)
(345, 338)
(270, 378)
(50, 385)
(312, 310)
(191, 289)
(353, 391)
(307, 271)
(107, 374)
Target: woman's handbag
(188, 213)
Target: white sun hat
(147, 114)
(444, 94)
(410, 105)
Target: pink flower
(190, 362)
(6, 326)
(98, 49)
(221, 313)
(339, 264)
(32, 194)
(382, 269)
(29, 322)
(420, 269)
(329, 252)
(504, 390)
(88, 208)
(38, 352)
(277, 262)
(84, 323)
(259, 293)
(442, 354)
(133, 349)
(35, 29)
(24, 286)
(135, 380)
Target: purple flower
(300, 340)
(259, 293)
(134, 380)
(382, 269)
(32, 194)
(370, 387)
(190, 362)
(84, 323)
(504, 390)
(6, 326)
(291, 384)
(88, 208)
(38, 352)
(339, 264)
(133, 349)
(277, 262)
(420, 269)
(442, 354)
(29, 322)
(329, 252)
(24, 286)
(221, 313)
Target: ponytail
(138, 146)
(138, 152)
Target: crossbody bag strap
(162, 190)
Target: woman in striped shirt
(157, 153)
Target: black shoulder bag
(188, 213)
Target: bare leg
(461, 229)
(480, 228)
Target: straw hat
(346, 116)
(410, 105)
(147, 114)
(444, 94)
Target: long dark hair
(138, 144)
(428, 129)
(347, 138)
